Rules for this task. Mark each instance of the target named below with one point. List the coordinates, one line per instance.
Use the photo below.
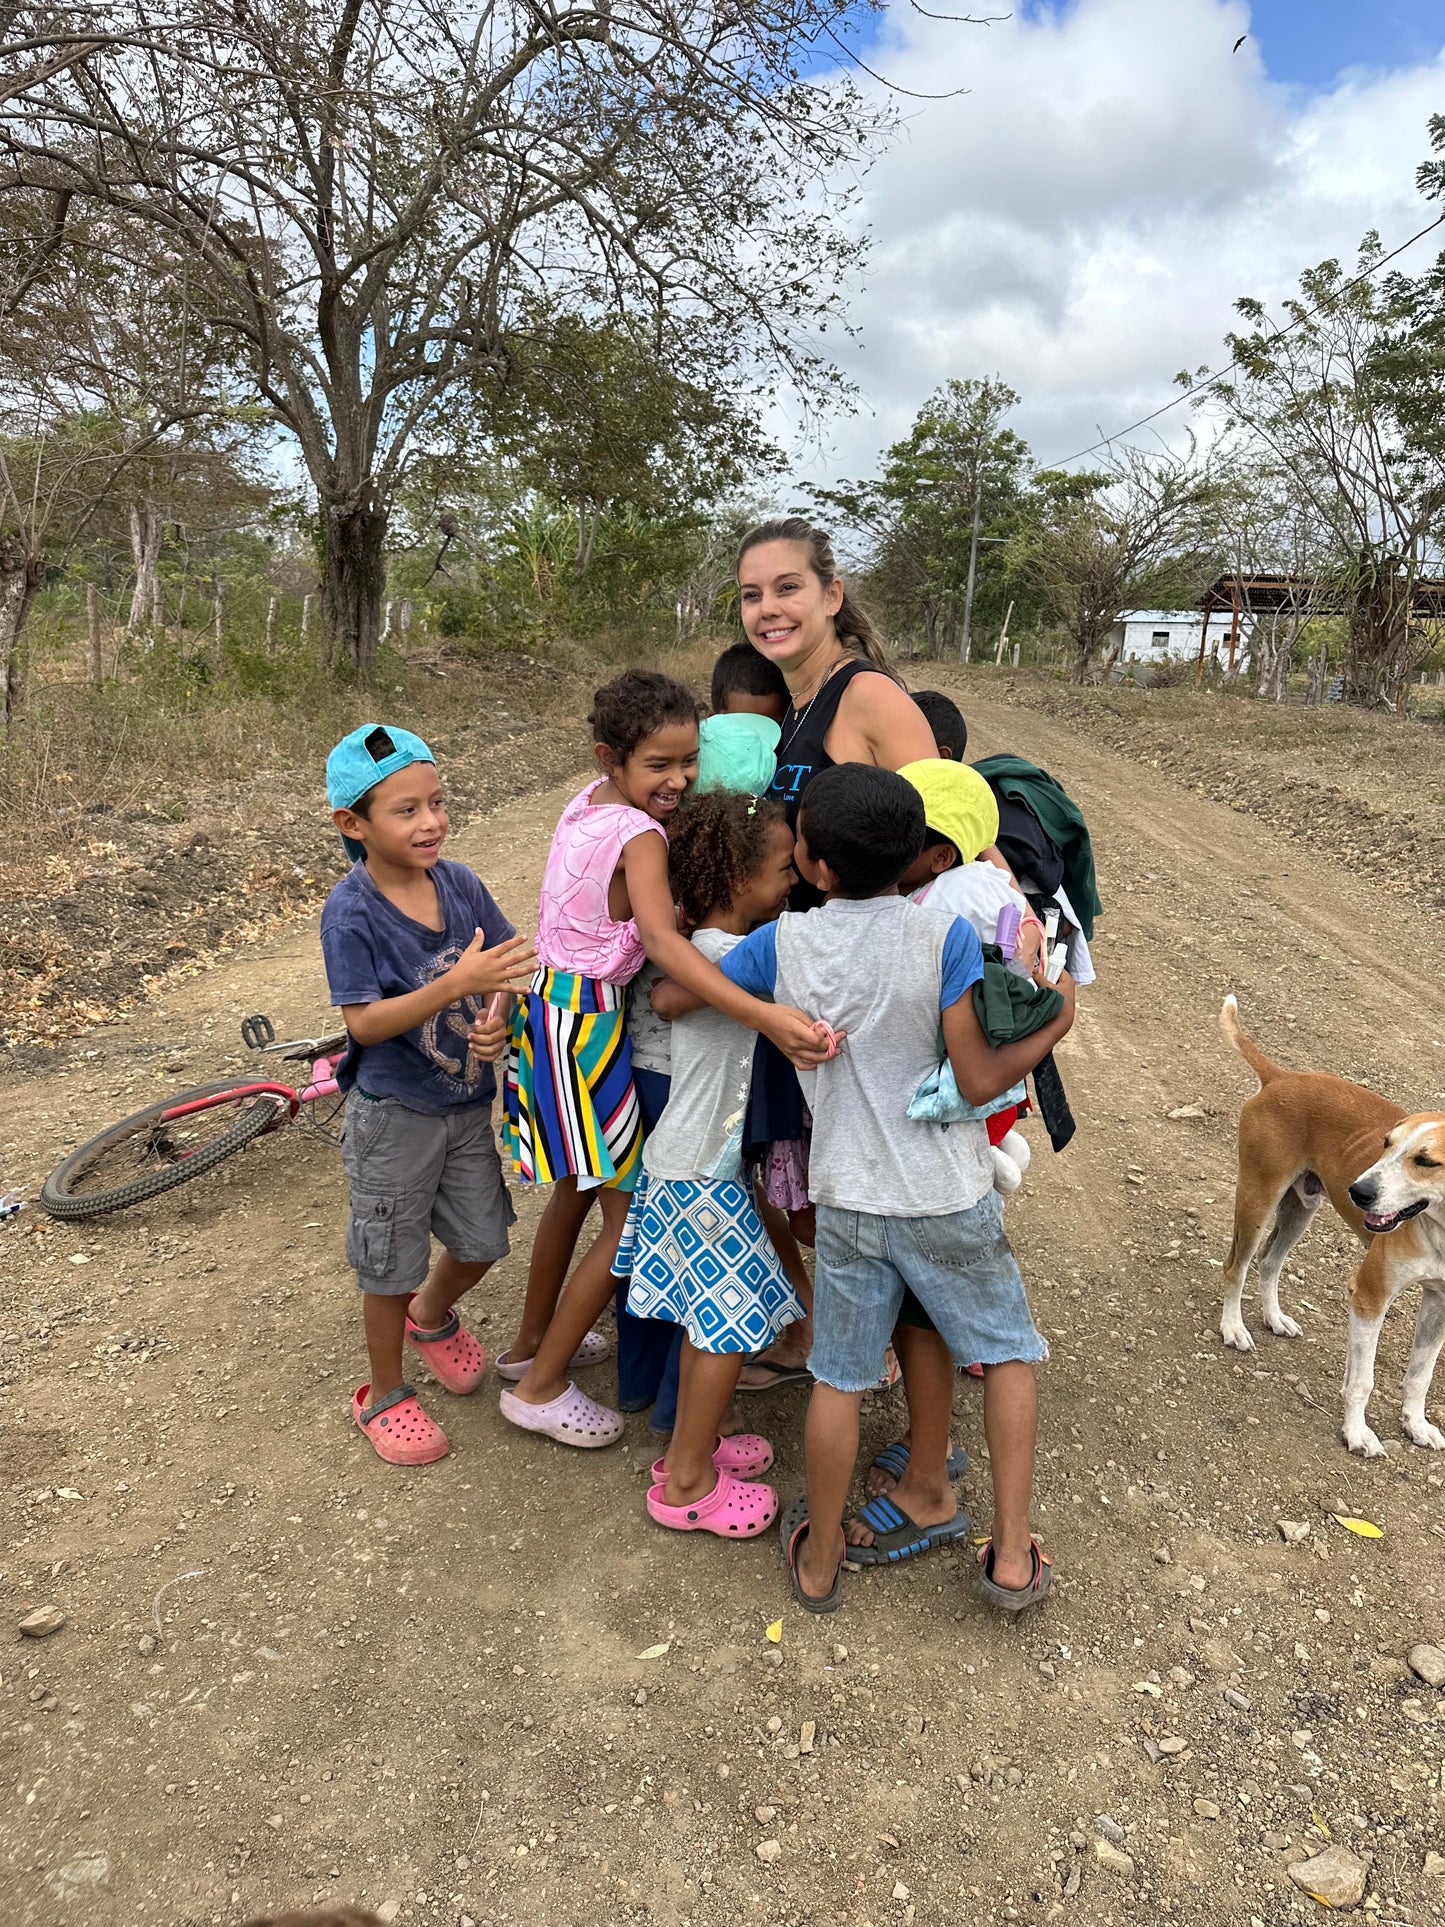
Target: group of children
(664, 949)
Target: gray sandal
(1013, 1599)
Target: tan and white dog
(1305, 1136)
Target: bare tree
(386, 195)
(1146, 536)
(104, 369)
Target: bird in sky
(1239, 43)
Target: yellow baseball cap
(957, 802)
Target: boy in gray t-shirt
(901, 1203)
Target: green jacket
(1062, 821)
(1011, 1007)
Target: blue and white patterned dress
(694, 1245)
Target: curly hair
(636, 705)
(716, 843)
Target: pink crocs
(733, 1509)
(572, 1419)
(745, 1455)
(398, 1428)
(455, 1357)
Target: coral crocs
(733, 1509)
(398, 1428)
(456, 1359)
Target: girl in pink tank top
(572, 1116)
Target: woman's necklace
(802, 715)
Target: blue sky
(1312, 42)
(1082, 216)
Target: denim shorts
(415, 1176)
(959, 1266)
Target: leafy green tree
(930, 524)
(1342, 392)
(386, 195)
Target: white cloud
(1082, 220)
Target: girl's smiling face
(787, 610)
(657, 774)
(764, 895)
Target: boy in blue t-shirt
(902, 1203)
(414, 947)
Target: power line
(1209, 380)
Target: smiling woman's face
(786, 610)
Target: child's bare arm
(671, 1001)
(645, 861)
(984, 1071)
(478, 972)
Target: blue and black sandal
(893, 1460)
(897, 1537)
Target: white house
(1155, 635)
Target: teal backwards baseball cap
(361, 760)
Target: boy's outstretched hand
(480, 972)
(800, 1039)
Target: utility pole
(964, 641)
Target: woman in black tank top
(847, 707)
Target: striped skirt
(571, 1110)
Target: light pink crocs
(593, 1349)
(456, 1359)
(733, 1509)
(398, 1428)
(572, 1419)
(745, 1455)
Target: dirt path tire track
(470, 1635)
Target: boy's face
(740, 703)
(407, 822)
(932, 860)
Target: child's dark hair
(714, 844)
(637, 704)
(945, 719)
(741, 671)
(866, 824)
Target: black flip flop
(893, 1459)
(780, 1375)
(792, 1526)
(897, 1537)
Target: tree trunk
(21, 572)
(271, 602)
(1379, 648)
(145, 547)
(92, 620)
(353, 571)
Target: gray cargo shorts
(415, 1176)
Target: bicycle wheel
(162, 1146)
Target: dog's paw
(1282, 1325)
(1363, 1441)
(1235, 1332)
(1424, 1433)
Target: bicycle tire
(60, 1201)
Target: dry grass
(181, 753)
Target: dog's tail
(1263, 1067)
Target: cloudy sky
(1082, 218)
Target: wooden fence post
(271, 602)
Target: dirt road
(291, 1674)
